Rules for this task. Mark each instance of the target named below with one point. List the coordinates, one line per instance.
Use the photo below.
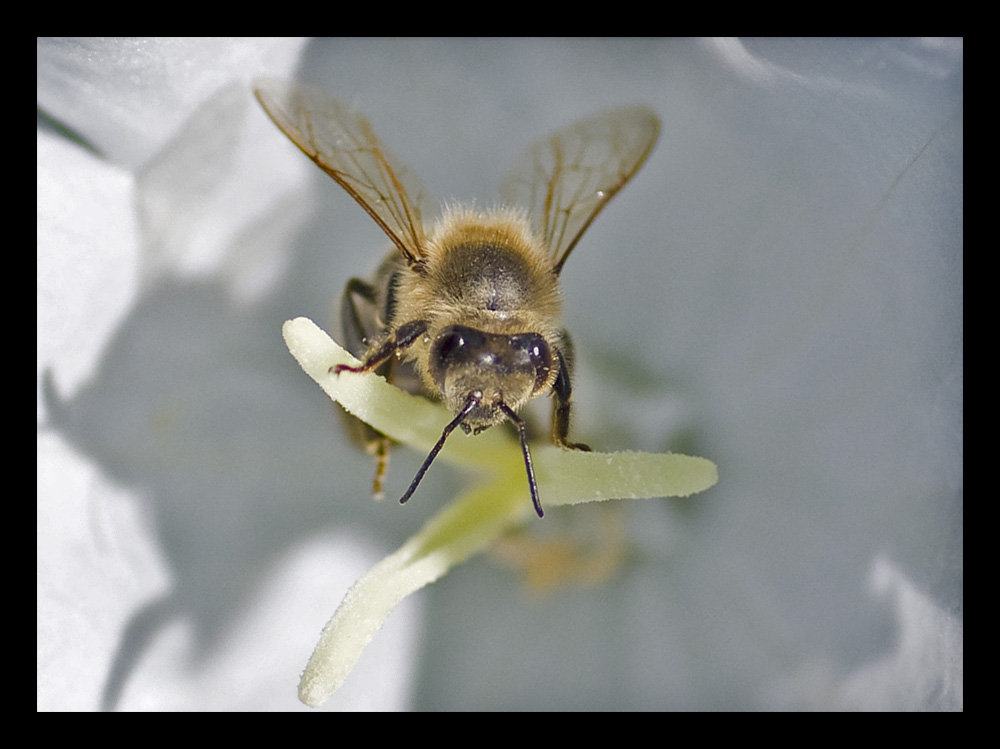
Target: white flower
(780, 289)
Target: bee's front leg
(396, 342)
(562, 390)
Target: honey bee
(467, 309)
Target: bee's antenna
(522, 432)
(470, 403)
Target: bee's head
(485, 378)
(501, 370)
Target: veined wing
(566, 179)
(343, 143)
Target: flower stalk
(473, 521)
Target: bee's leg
(379, 447)
(404, 337)
(372, 442)
(562, 390)
(377, 443)
(356, 336)
(359, 327)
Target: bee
(467, 309)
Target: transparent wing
(566, 179)
(343, 143)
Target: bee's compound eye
(457, 343)
(455, 346)
(534, 347)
